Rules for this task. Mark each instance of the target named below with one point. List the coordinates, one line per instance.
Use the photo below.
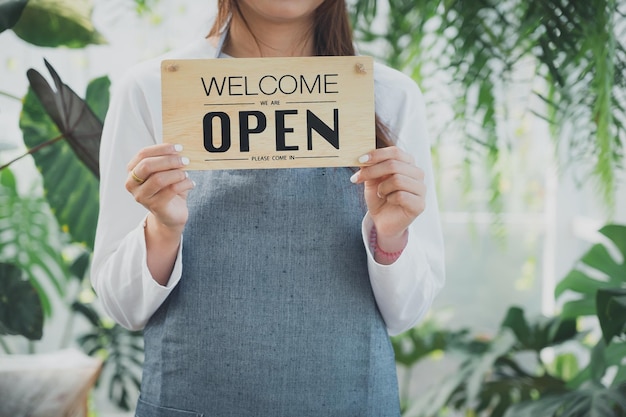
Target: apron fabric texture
(274, 315)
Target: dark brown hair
(332, 36)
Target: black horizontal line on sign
(310, 102)
(227, 159)
(229, 104)
(315, 157)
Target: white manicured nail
(363, 159)
(354, 178)
(184, 160)
(178, 147)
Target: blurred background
(527, 105)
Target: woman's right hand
(157, 181)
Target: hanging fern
(577, 48)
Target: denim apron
(274, 315)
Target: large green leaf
(79, 125)
(20, 308)
(421, 341)
(611, 312)
(603, 264)
(29, 239)
(542, 333)
(70, 188)
(602, 358)
(10, 12)
(55, 23)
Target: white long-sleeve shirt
(404, 290)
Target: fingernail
(184, 160)
(186, 174)
(178, 147)
(363, 159)
(354, 178)
(194, 183)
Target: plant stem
(33, 150)
(5, 346)
(9, 95)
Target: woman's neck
(253, 39)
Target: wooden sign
(238, 113)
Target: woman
(278, 298)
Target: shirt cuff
(402, 289)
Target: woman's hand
(394, 193)
(157, 181)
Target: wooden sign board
(242, 113)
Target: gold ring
(135, 177)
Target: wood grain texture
(269, 112)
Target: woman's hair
(332, 37)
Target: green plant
(509, 374)
(573, 48)
(46, 241)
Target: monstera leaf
(600, 282)
(20, 308)
(29, 240)
(122, 351)
(69, 167)
(55, 23)
(10, 12)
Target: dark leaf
(611, 306)
(21, 312)
(10, 12)
(78, 124)
(515, 321)
(70, 188)
(88, 312)
(79, 267)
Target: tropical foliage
(46, 242)
(577, 58)
(571, 54)
(509, 375)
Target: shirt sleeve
(405, 290)
(119, 271)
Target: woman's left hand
(395, 192)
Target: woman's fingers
(389, 161)
(158, 182)
(394, 189)
(383, 154)
(151, 160)
(394, 182)
(152, 151)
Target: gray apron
(274, 315)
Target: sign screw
(360, 68)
